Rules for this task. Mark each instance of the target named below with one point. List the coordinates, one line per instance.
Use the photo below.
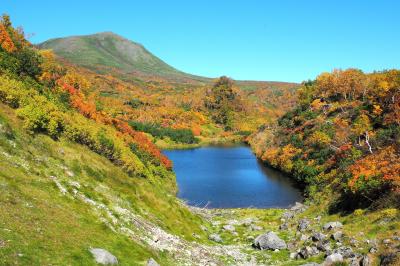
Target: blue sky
(286, 40)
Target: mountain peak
(108, 50)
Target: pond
(230, 177)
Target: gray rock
(293, 255)
(324, 246)
(318, 237)
(303, 237)
(298, 207)
(254, 227)
(332, 259)
(303, 225)
(337, 236)
(353, 242)
(215, 237)
(332, 225)
(386, 241)
(365, 261)
(202, 227)
(284, 226)
(248, 221)
(229, 227)
(373, 250)
(104, 257)
(152, 262)
(288, 215)
(346, 252)
(307, 252)
(396, 238)
(269, 241)
(311, 264)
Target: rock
(248, 221)
(269, 241)
(332, 259)
(389, 259)
(70, 173)
(337, 236)
(254, 227)
(307, 252)
(396, 238)
(332, 225)
(311, 264)
(353, 242)
(324, 246)
(318, 218)
(303, 225)
(215, 237)
(202, 227)
(152, 262)
(386, 241)
(288, 215)
(104, 257)
(229, 227)
(284, 226)
(373, 250)
(365, 261)
(298, 207)
(346, 252)
(303, 237)
(318, 237)
(293, 255)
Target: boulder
(229, 227)
(298, 207)
(318, 237)
(332, 259)
(332, 225)
(337, 236)
(104, 257)
(215, 237)
(269, 241)
(303, 225)
(288, 215)
(152, 262)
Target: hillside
(105, 52)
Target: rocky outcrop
(269, 241)
(103, 257)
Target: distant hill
(106, 51)
(109, 53)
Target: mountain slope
(107, 51)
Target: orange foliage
(385, 164)
(5, 40)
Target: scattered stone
(365, 261)
(324, 246)
(373, 250)
(229, 227)
(332, 225)
(386, 241)
(70, 173)
(298, 207)
(202, 227)
(248, 221)
(307, 252)
(311, 264)
(318, 237)
(254, 227)
(104, 257)
(332, 259)
(287, 215)
(337, 236)
(269, 241)
(293, 255)
(396, 238)
(152, 262)
(346, 252)
(303, 225)
(389, 259)
(284, 226)
(215, 237)
(353, 242)
(303, 237)
(318, 218)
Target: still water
(230, 177)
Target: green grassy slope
(40, 225)
(106, 50)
